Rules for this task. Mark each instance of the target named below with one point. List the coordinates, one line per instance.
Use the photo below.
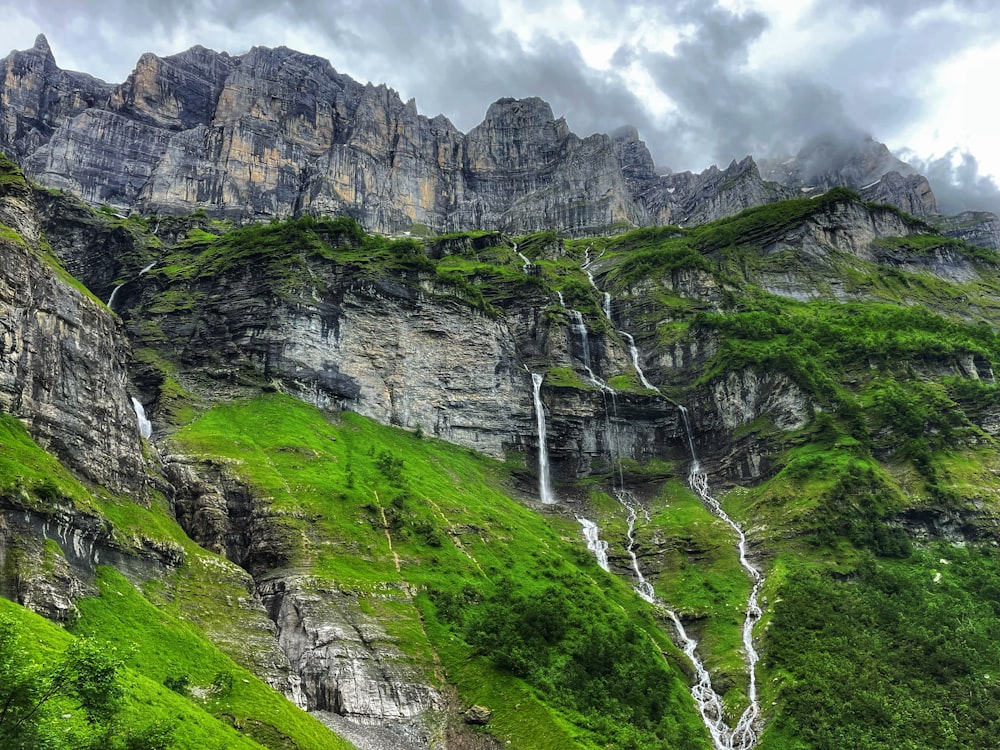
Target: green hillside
(861, 463)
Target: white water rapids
(594, 542)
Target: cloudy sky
(704, 81)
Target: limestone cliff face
(63, 357)
(277, 133)
(37, 97)
(861, 164)
(687, 198)
(976, 227)
(352, 672)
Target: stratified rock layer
(62, 356)
(278, 133)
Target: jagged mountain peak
(275, 132)
(41, 46)
(851, 160)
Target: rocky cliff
(64, 355)
(834, 359)
(278, 133)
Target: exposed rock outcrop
(975, 227)
(858, 163)
(348, 664)
(226, 517)
(48, 556)
(687, 198)
(62, 355)
(276, 133)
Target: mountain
(725, 484)
(276, 133)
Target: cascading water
(145, 426)
(708, 701)
(642, 587)
(594, 542)
(580, 329)
(527, 263)
(744, 735)
(606, 296)
(114, 292)
(544, 482)
(635, 362)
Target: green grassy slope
(159, 645)
(509, 601)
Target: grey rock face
(861, 164)
(63, 359)
(277, 133)
(348, 665)
(687, 198)
(225, 517)
(48, 557)
(37, 97)
(975, 227)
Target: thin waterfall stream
(544, 481)
(527, 263)
(592, 534)
(114, 292)
(745, 734)
(145, 426)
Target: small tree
(83, 683)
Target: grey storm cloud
(957, 182)
(454, 59)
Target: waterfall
(580, 329)
(606, 296)
(594, 542)
(145, 426)
(635, 362)
(744, 735)
(114, 293)
(643, 587)
(527, 263)
(694, 473)
(708, 701)
(544, 484)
